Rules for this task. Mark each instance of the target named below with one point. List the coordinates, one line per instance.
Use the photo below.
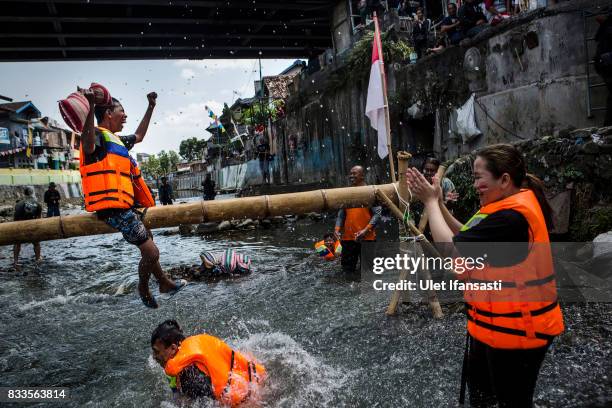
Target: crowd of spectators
(460, 22)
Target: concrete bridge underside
(38, 30)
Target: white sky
(184, 87)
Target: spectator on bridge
(165, 192)
(451, 25)
(208, 185)
(420, 32)
(473, 20)
(52, 199)
(496, 11)
(263, 154)
(26, 209)
(362, 8)
(440, 46)
(376, 6)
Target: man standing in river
(113, 186)
(354, 225)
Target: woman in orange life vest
(507, 340)
(204, 366)
(113, 186)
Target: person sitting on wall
(473, 20)
(165, 192)
(52, 199)
(329, 248)
(204, 366)
(440, 46)
(26, 209)
(451, 25)
(496, 11)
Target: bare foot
(167, 285)
(146, 297)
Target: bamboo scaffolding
(402, 163)
(46, 229)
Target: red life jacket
(525, 313)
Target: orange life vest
(231, 374)
(115, 180)
(356, 220)
(525, 313)
(324, 251)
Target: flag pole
(384, 82)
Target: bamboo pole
(403, 159)
(196, 212)
(425, 217)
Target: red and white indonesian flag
(376, 103)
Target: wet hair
(505, 158)
(100, 110)
(432, 160)
(169, 333)
(329, 235)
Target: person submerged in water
(329, 248)
(203, 366)
(216, 265)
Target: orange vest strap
(507, 330)
(536, 312)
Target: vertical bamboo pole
(402, 165)
(425, 217)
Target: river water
(76, 321)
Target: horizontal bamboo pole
(196, 212)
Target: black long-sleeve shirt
(52, 197)
(469, 14)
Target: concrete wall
(325, 130)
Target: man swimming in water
(216, 265)
(203, 366)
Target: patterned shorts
(129, 224)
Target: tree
(192, 149)
(164, 162)
(151, 167)
(174, 160)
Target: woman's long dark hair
(505, 158)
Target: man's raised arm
(144, 123)
(88, 136)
